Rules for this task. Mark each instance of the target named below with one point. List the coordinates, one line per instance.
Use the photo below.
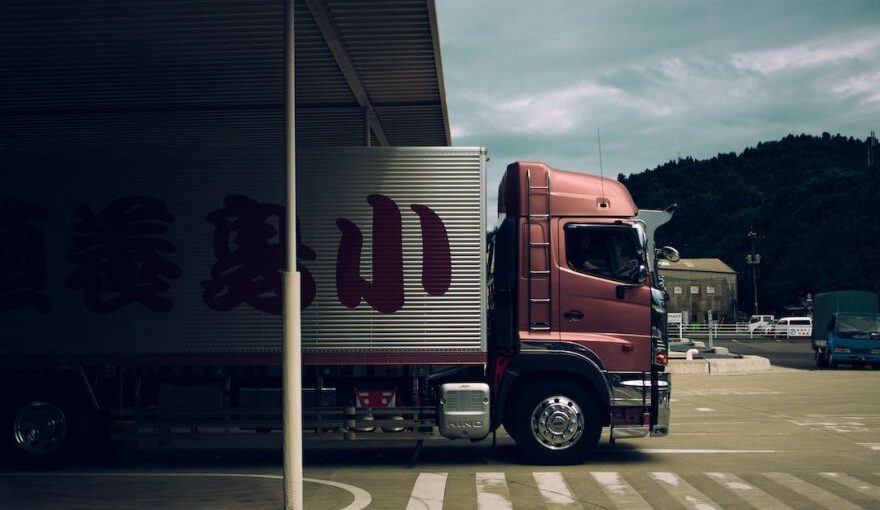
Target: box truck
(846, 328)
(141, 301)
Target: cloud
(533, 80)
(810, 54)
(561, 110)
(865, 85)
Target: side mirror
(831, 323)
(641, 275)
(669, 253)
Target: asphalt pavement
(778, 439)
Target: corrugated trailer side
(393, 241)
(180, 252)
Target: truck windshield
(858, 324)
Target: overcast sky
(533, 80)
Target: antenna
(602, 202)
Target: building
(696, 286)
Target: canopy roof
(214, 72)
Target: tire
(828, 362)
(556, 422)
(821, 361)
(46, 428)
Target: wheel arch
(530, 366)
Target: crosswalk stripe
(556, 492)
(684, 492)
(492, 492)
(428, 492)
(619, 491)
(811, 492)
(854, 484)
(751, 494)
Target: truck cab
(846, 329)
(577, 316)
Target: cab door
(604, 299)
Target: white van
(759, 322)
(789, 327)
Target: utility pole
(753, 259)
(872, 158)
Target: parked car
(791, 327)
(765, 328)
(759, 322)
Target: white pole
(291, 363)
(293, 453)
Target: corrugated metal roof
(702, 265)
(187, 71)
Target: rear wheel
(46, 427)
(556, 422)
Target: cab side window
(608, 252)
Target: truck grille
(465, 400)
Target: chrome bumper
(631, 392)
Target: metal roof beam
(438, 63)
(340, 53)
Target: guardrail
(737, 329)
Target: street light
(753, 259)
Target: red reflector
(661, 359)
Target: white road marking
(816, 494)
(837, 422)
(362, 498)
(684, 492)
(854, 484)
(751, 494)
(620, 492)
(428, 492)
(725, 392)
(873, 446)
(492, 492)
(556, 493)
(705, 409)
(699, 450)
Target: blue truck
(846, 328)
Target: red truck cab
(577, 317)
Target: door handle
(574, 315)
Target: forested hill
(813, 201)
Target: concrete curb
(719, 365)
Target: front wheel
(556, 422)
(830, 363)
(821, 360)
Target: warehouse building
(696, 286)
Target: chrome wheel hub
(39, 428)
(557, 422)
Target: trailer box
(180, 254)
